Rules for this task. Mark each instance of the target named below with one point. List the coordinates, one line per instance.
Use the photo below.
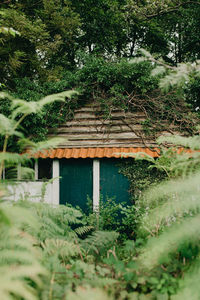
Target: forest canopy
(53, 34)
(50, 46)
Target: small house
(85, 165)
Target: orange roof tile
(96, 152)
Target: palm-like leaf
(7, 127)
(22, 107)
(13, 158)
(26, 108)
(56, 97)
(32, 147)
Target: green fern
(172, 221)
(100, 241)
(9, 126)
(22, 107)
(54, 221)
(18, 258)
(64, 250)
(83, 230)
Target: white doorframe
(96, 184)
(36, 169)
(56, 182)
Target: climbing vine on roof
(131, 86)
(112, 83)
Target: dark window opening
(45, 168)
(10, 173)
(24, 171)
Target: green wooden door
(76, 182)
(112, 183)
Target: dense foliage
(53, 33)
(52, 46)
(123, 84)
(153, 253)
(136, 252)
(149, 250)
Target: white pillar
(36, 169)
(4, 174)
(56, 182)
(96, 184)
(19, 171)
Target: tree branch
(169, 10)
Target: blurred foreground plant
(11, 126)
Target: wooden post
(96, 184)
(56, 182)
(36, 169)
(19, 171)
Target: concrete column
(96, 184)
(19, 171)
(36, 169)
(56, 182)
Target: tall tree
(48, 32)
(53, 33)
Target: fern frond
(159, 248)
(172, 198)
(19, 215)
(63, 249)
(146, 53)
(100, 241)
(192, 142)
(49, 229)
(19, 260)
(178, 77)
(23, 107)
(83, 230)
(27, 173)
(159, 70)
(7, 127)
(14, 283)
(34, 148)
(56, 97)
(16, 59)
(13, 158)
(54, 221)
(20, 106)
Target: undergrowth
(149, 250)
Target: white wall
(32, 190)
